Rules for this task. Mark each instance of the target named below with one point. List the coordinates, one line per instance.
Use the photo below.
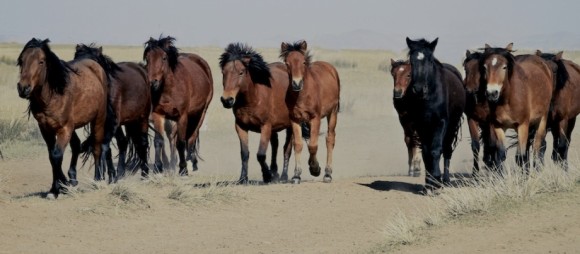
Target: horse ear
(538, 52)
(559, 55)
(433, 44)
(510, 46)
(487, 46)
(409, 42)
(467, 53)
(78, 47)
(303, 45)
(100, 50)
(392, 61)
(284, 46)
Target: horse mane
(92, 52)
(562, 75)
(252, 60)
(507, 54)
(166, 44)
(57, 71)
(297, 46)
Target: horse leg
(436, 151)
(416, 151)
(273, 162)
(313, 164)
(75, 145)
(297, 134)
(122, 143)
(193, 141)
(100, 150)
(55, 154)
(265, 133)
(521, 155)
(475, 146)
(330, 141)
(158, 142)
(571, 124)
(245, 153)
(410, 146)
(287, 153)
(140, 140)
(181, 143)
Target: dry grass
(493, 191)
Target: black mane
(57, 71)
(297, 46)
(166, 44)
(562, 75)
(252, 60)
(92, 52)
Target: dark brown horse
(477, 111)
(130, 96)
(182, 90)
(438, 97)
(565, 104)
(314, 94)
(256, 92)
(519, 91)
(401, 72)
(63, 97)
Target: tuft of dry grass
(493, 190)
(124, 195)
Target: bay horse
(64, 96)
(477, 112)
(401, 72)
(565, 105)
(182, 88)
(519, 92)
(314, 93)
(256, 92)
(130, 96)
(439, 98)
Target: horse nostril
(227, 102)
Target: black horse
(439, 98)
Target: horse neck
(250, 94)
(41, 98)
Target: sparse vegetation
(344, 64)
(8, 60)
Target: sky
(362, 24)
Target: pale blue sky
(265, 23)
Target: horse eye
(41, 63)
(505, 67)
(408, 75)
(304, 63)
(241, 73)
(164, 58)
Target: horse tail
(457, 133)
(305, 130)
(562, 75)
(87, 145)
(194, 150)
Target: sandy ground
(346, 216)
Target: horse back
(326, 77)
(88, 91)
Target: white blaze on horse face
(401, 69)
(420, 56)
(494, 61)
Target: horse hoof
(314, 171)
(295, 180)
(73, 183)
(267, 178)
(283, 178)
(327, 179)
(243, 180)
(51, 196)
(183, 172)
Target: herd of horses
(171, 89)
(530, 93)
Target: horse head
(423, 64)
(401, 72)
(160, 57)
(497, 64)
(297, 59)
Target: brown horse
(182, 90)
(130, 96)
(519, 91)
(63, 97)
(565, 105)
(401, 72)
(313, 95)
(477, 111)
(256, 92)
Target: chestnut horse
(401, 72)
(182, 90)
(477, 111)
(565, 105)
(519, 91)
(64, 96)
(439, 98)
(313, 95)
(131, 99)
(256, 92)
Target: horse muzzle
(397, 93)
(24, 90)
(492, 95)
(228, 102)
(297, 85)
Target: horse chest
(503, 116)
(248, 116)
